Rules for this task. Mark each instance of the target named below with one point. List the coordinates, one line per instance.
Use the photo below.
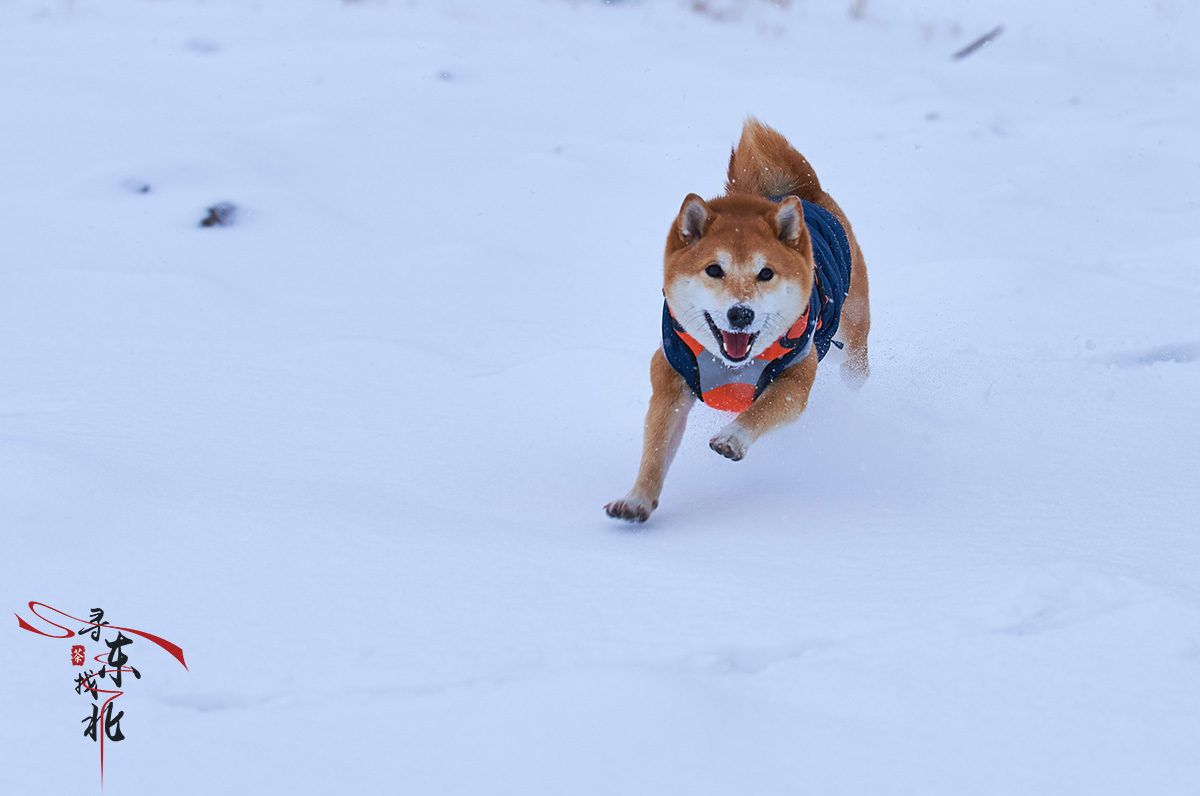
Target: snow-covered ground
(351, 453)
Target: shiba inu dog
(757, 284)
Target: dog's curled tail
(765, 164)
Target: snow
(351, 453)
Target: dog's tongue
(736, 343)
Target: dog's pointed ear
(789, 222)
(694, 218)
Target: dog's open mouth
(734, 345)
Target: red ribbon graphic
(175, 650)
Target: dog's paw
(732, 442)
(632, 507)
(855, 371)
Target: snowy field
(351, 453)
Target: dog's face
(738, 272)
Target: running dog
(757, 283)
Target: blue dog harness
(735, 389)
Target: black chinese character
(112, 724)
(117, 658)
(97, 615)
(87, 681)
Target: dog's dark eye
(714, 271)
(765, 275)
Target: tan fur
(666, 420)
(743, 230)
(765, 164)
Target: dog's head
(738, 272)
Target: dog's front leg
(780, 404)
(666, 419)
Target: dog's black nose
(740, 316)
